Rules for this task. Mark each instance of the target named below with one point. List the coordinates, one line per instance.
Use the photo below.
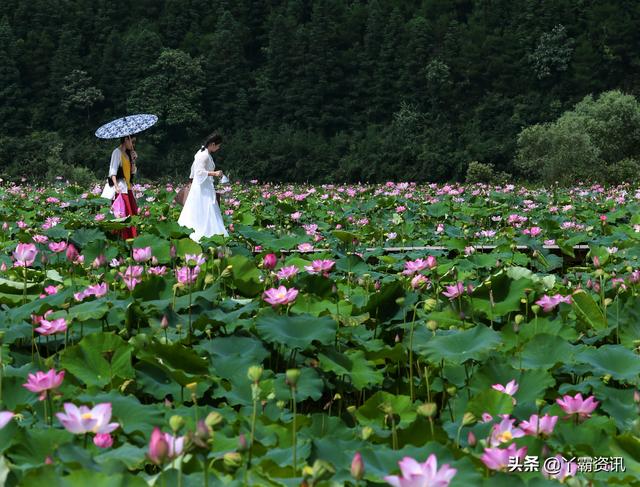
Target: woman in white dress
(201, 211)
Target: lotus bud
(213, 418)
(430, 304)
(176, 422)
(367, 431)
(322, 470)
(397, 338)
(432, 325)
(255, 373)
(203, 433)
(428, 409)
(471, 439)
(636, 396)
(357, 467)
(292, 376)
(468, 419)
(164, 322)
(232, 459)
(242, 442)
(386, 408)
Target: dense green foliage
(598, 140)
(306, 90)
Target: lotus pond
(299, 351)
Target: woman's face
(130, 143)
(213, 147)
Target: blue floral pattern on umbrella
(129, 125)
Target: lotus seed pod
(213, 418)
(535, 309)
(430, 304)
(432, 325)
(428, 409)
(176, 423)
(292, 376)
(540, 403)
(519, 319)
(255, 373)
(351, 410)
(400, 301)
(281, 404)
(608, 301)
(232, 459)
(367, 431)
(451, 390)
(468, 419)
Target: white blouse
(116, 162)
(202, 165)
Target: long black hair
(214, 138)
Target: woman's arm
(113, 168)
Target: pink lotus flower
(539, 426)
(42, 382)
(320, 267)
(131, 275)
(158, 447)
(103, 440)
(193, 259)
(498, 459)
(305, 247)
(287, 272)
(511, 388)
(81, 420)
(99, 261)
(50, 290)
(504, 432)
(72, 253)
(187, 275)
(163, 446)
(97, 290)
(24, 254)
(454, 291)
(415, 474)
(548, 303)
(269, 261)
(157, 271)
(567, 469)
(5, 417)
(417, 265)
(57, 246)
(419, 281)
(576, 405)
(142, 254)
(40, 239)
(280, 295)
(52, 327)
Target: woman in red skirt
(121, 172)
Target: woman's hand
(134, 155)
(216, 174)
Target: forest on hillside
(303, 90)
